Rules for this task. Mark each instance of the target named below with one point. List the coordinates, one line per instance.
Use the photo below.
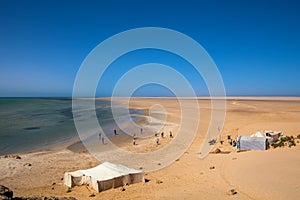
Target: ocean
(28, 124)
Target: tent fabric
(258, 134)
(273, 135)
(104, 176)
(252, 143)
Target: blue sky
(255, 44)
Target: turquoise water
(30, 123)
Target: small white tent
(258, 134)
(251, 143)
(104, 176)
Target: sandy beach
(271, 174)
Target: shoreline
(73, 143)
(65, 142)
(60, 145)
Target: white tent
(258, 134)
(251, 143)
(104, 176)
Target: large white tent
(104, 176)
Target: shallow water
(28, 124)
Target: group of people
(101, 137)
(134, 137)
(163, 136)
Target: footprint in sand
(11, 169)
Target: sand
(271, 174)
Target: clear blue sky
(255, 44)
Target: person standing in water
(171, 134)
(115, 131)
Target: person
(102, 140)
(141, 131)
(99, 136)
(134, 136)
(157, 141)
(133, 141)
(115, 131)
(162, 134)
(234, 143)
(171, 135)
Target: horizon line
(169, 97)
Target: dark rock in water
(5, 193)
(32, 128)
